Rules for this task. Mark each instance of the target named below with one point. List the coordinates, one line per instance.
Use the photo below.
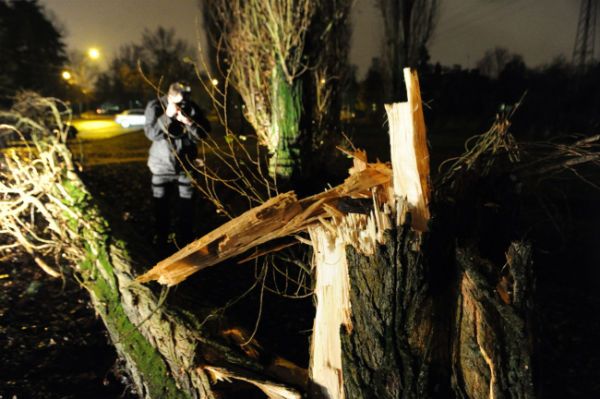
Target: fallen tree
(47, 210)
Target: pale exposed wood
(333, 311)
(272, 389)
(408, 193)
(281, 216)
(410, 155)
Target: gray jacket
(171, 139)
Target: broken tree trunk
(397, 316)
(390, 350)
(403, 342)
(164, 355)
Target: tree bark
(492, 348)
(409, 341)
(285, 126)
(389, 353)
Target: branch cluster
(36, 208)
(263, 42)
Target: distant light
(66, 75)
(214, 82)
(94, 53)
(322, 81)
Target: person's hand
(183, 119)
(172, 109)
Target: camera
(185, 107)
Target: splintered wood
(410, 155)
(356, 213)
(280, 216)
(272, 389)
(332, 290)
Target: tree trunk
(427, 320)
(492, 346)
(389, 353)
(285, 126)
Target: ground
(53, 346)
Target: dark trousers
(183, 208)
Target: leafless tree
(495, 60)
(408, 29)
(328, 46)
(264, 45)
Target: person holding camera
(174, 124)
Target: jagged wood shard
(281, 216)
(333, 311)
(410, 155)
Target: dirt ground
(53, 346)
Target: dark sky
(540, 30)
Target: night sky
(540, 30)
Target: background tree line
(32, 48)
(557, 98)
(160, 55)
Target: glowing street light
(66, 75)
(94, 53)
(214, 82)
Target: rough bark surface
(493, 345)
(389, 352)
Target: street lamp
(94, 53)
(214, 82)
(66, 75)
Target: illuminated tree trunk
(285, 126)
(264, 45)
